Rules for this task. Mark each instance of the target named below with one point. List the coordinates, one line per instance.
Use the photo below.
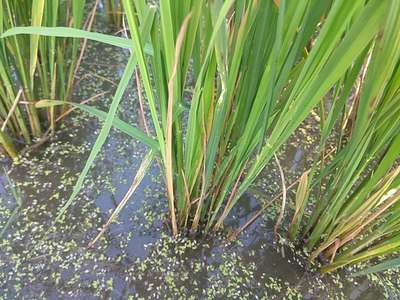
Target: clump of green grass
(356, 214)
(34, 68)
(255, 78)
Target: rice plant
(114, 13)
(34, 68)
(252, 78)
(355, 213)
(227, 83)
(383, 266)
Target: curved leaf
(74, 33)
(101, 115)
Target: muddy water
(137, 258)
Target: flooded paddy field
(137, 258)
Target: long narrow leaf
(101, 115)
(101, 138)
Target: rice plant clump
(34, 68)
(252, 71)
(356, 215)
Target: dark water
(137, 258)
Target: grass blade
(126, 76)
(390, 264)
(74, 33)
(102, 116)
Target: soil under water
(137, 258)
